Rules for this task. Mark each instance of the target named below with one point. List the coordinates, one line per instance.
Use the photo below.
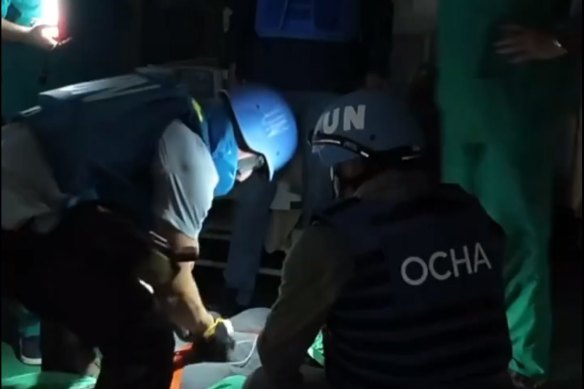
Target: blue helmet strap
(250, 162)
(223, 146)
(225, 159)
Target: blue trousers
(253, 210)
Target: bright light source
(50, 32)
(49, 13)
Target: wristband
(219, 325)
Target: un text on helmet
(353, 119)
(442, 265)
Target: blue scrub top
(22, 65)
(22, 12)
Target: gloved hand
(214, 345)
(216, 342)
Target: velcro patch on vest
(437, 250)
(433, 261)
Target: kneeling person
(106, 184)
(402, 275)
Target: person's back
(75, 126)
(406, 272)
(424, 306)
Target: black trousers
(81, 276)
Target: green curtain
(499, 128)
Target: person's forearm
(191, 302)
(179, 293)
(12, 32)
(184, 303)
(297, 316)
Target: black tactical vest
(424, 308)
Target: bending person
(105, 187)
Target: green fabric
(21, 64)
(28, 323)
(5, 5)
(11, 366)
(234, 382)
(499, 122)
(48, 381)
(472, 74)
(316, 351)
(21, 69)
(18, 320)
(16, 375)
(517, 194)
(22, 12)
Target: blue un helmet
(365, 124)
(266, 124)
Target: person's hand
(374, 82)
(43, 36)
(522, 44)
(214, 345)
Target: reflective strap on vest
(198, 110)
(320, 20)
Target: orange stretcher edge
(180, 361)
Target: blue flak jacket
(424, 308)
(100, 137)
(300, 45)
